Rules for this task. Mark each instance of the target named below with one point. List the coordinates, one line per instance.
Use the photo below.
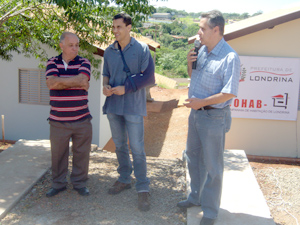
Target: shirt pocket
(212, 76)
(209, 69)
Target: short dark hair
(126, 18)
(215, 18)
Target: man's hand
(50, 82)
(119, 90)
(107, 90)
(194, 103)
(83, 81)
(197, 103)
(191, 57)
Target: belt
(206, 108)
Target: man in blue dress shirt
(214, 83)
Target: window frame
(32, 87)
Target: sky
(227, 6)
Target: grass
(183, 84)
(187, 20)
(163, 86)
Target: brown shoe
(118, 187)
(143, 201)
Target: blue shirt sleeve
(145, 58)
(231, 75)
(105, 72)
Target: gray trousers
(205, 148)
(60, 134)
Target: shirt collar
(218, 47)
(115, 44)
(60, 58)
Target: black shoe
(185, 204)
(53, 191)
(207, 221)
(83, 191)
(143, 201)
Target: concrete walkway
(21, 166)
(242, 200)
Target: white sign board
(268, 89)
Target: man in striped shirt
(68, 78)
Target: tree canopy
(26, 24)
(195, 15)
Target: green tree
(182, 13)
(195, 15)
(178, 44)
(191, 30)
(172, 63)
(165, 10)
(165, 39)
(231, 16)
(257, 13)
(177, 31)
(148, 32)
(175, 27)
(244, 16)
(166, 28)
(27, 24)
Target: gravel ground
(167, 188)
(280, 186)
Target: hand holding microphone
(197, 44)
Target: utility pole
(155, 41)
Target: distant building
(231, 21)
(161, 16)
(147, 25)
(176, 37)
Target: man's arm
(61, 83)
(197, 103)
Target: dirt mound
(166, 131)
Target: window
(32, 87)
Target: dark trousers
(60, 134)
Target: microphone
(197, 44)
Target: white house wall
(105, 133)
(28, 121)
(268, 137)
(94, 106)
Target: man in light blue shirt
(214, 83)
(125, 111)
